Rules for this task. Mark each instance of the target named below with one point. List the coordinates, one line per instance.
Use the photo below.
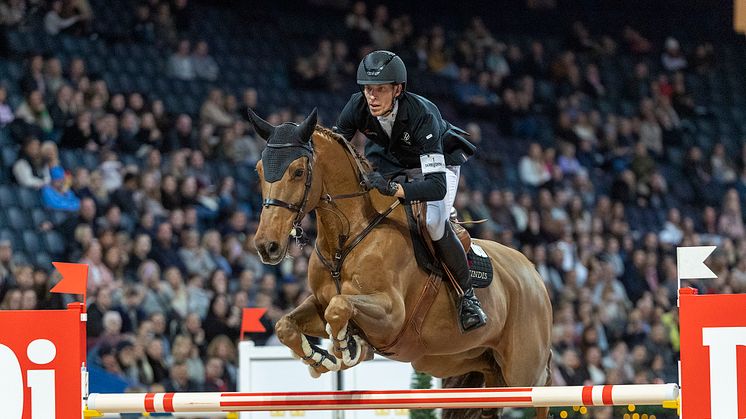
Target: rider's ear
(398, 88)
(305, 129)
(262, 127)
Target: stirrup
(470, 310)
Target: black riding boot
(452, 254)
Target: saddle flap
(419, 210)
(480, 267)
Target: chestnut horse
(365, 281)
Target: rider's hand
(376, 180)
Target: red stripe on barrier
(588, 395)
(150, 403)
(365, 392)
(168, 402)
(332, 402)
(606, 395)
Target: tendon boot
(452, 254)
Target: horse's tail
(470, 379)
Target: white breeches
(438, 212)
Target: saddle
(479, 263)
(409, 341)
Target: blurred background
(609, 132)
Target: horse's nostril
(272, 247)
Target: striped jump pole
(605, 395)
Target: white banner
(272, 368)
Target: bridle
(343, 248)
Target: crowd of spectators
(169, 241)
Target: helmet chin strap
(391, 108)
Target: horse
(365, 282)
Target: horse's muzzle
(270, 252)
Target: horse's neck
(340, 177)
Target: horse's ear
(305, 129)
(262, 127)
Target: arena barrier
(652, 394)
(42, 356)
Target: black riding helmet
(382, 67)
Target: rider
(406, 131)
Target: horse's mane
(332, 136)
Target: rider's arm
(432, 163)
(346, 125)
(432, 188)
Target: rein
(343, 248)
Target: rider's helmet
(382, 67)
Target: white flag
(691, 262)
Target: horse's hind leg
(370, 312)
(493, 378)
(306, 320)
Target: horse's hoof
(313, 372)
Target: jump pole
(605, 395)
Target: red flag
(74, 278)
(250, 320)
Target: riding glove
(376, 180)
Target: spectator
(181, 63)
(673, 58)
(6, 112)
(33, 111)
(80, 135)
(533, 171)
(182, 15)
(12, 12)
(76, 71)
(213, 111)
(221, 320)
(181, 136)
(249, 100)
(635, 42)
(128, 136)
(195, 258)
(358, 25)
(57, 196)
(53, 78)
(30, 170)
(144, 29)
(163, 251)
(723, 169)
(204, 65)
(179, 379)
(731, 219)
(34, 78)
(54, 23)
(165, 29)
(64, 109)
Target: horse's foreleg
(364, 310)
(306, 320)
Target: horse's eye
(298, 173)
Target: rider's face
(380, 97)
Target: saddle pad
(480, 267)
